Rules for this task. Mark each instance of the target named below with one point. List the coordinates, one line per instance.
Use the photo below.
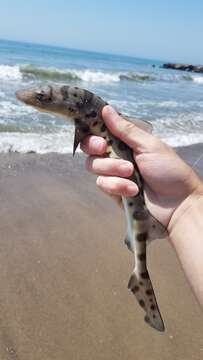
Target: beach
(63, 263)
(64, 270)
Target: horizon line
(85, 50)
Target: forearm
(186, 235)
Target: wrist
(191, 205)
(186, 236)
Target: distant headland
(184, 67)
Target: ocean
(172, 101)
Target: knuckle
(125, 190)
(100, 166)
(115, 183)
(118, 185)
(128, 127)
(112, 185)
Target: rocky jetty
(184, 67)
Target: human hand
(169, 181)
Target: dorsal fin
(142, 124)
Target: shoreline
(64, 271)
(190, 153)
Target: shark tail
(141, 287)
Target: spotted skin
(84, 109)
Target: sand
(64, 271)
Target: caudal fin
(141, 287)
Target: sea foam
(10, 73)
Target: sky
(169, 30)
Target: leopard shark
(84, 109)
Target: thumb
(139, 140)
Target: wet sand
(64, 271)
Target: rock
(183, 67)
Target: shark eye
(43, 95)
(39, 96)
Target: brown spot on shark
(144, 275)
(142, 257)
(103, 128)
(142, 236)
(142, 303)
(135, 289)
(122, 146)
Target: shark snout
(21, 95)
(27, 96)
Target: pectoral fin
(78, 137)
(128, 243)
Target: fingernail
(132, 189)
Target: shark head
(59, 100)
(75, 104)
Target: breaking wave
(100, 76)
(11, 73)
(68, 74)
(198, 80)
(62, 142)
(30, 72)
(131, 76)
